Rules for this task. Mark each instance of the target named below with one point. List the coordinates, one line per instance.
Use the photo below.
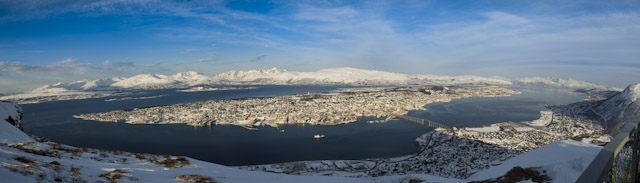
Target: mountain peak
(188, 73)
(273, 70)
(632, 92)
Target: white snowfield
(544, 120)
(563, 160)
(335, 76)
(490, 128)
(8, 132)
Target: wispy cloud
(211, 56)
(403, 37)
(334, 14)
(112, 65)
(187, 50)
(256, 58)
(66, 66)
(29, 10)
(508, 38)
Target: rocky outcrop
(11, 113)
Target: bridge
(422, 121)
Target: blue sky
(47, 41)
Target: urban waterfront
(233, 145)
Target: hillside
(621, 108)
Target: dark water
(232, 145)
(485, 111)
(229, 145)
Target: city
(313, 109)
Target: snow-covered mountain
(346, 76)
(141, 81)
(621, 108)
(335, 76)
(557, 83)
(459, 80)
(108, 87)
(351, 76)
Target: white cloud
(187, 50)
(66, 66)
(508, 38)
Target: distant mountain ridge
(557, 82)
(275, 76)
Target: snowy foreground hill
(25, 160)
(335, 76)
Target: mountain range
(275, 76)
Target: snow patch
(490, 128)
(8, 132)
(564, 161)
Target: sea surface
(481, 111)
(233, 145)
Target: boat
(318, 136)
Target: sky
(48, 41)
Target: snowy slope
(558, 83)
(621, 108)
(563, 161)
(51, 93)
(11, 133)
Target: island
(329, 108)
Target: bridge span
(422, 121)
